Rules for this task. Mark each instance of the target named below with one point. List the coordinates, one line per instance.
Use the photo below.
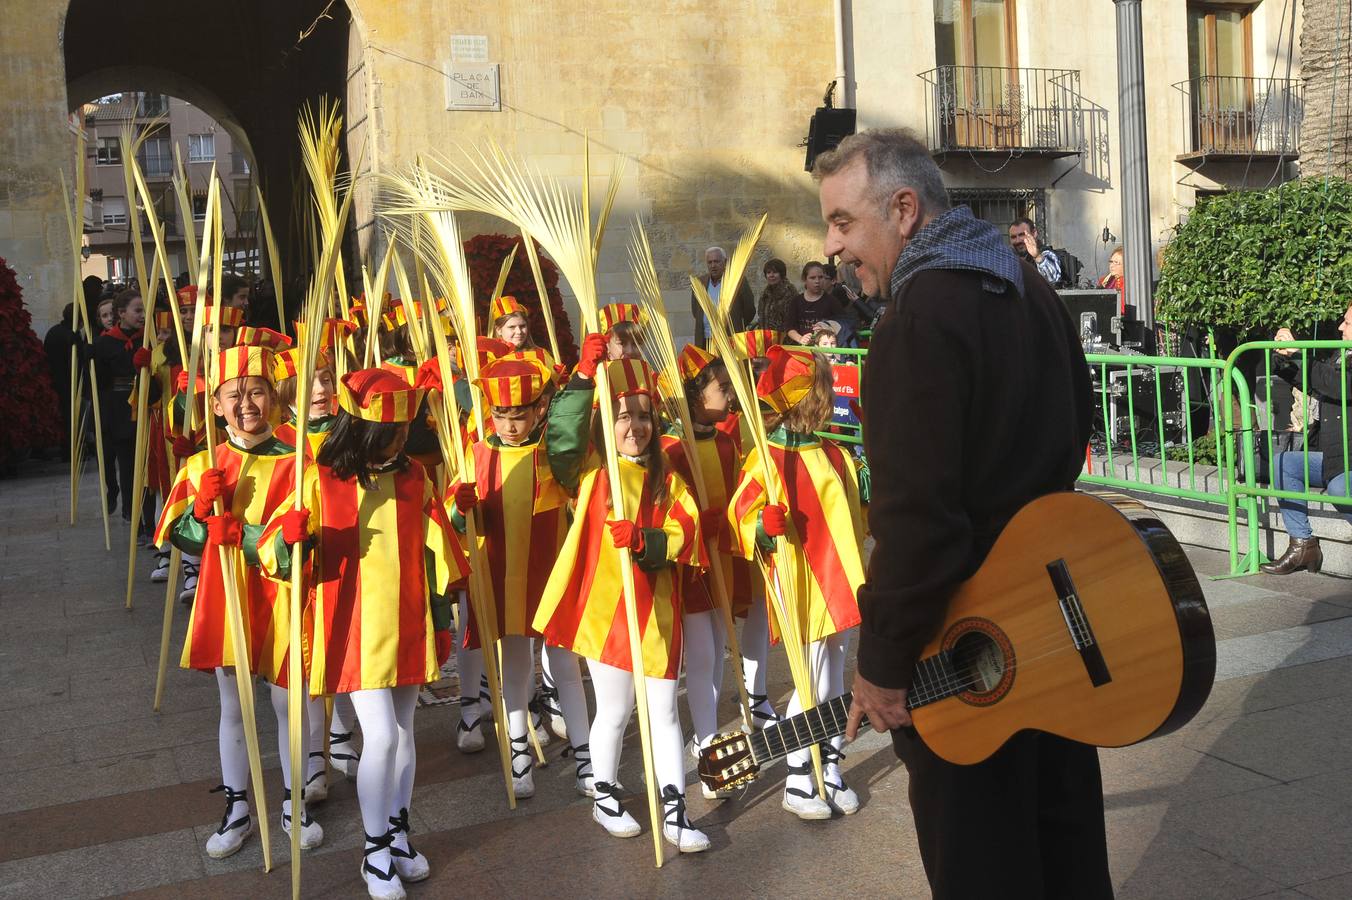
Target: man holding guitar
(976, 401)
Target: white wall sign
(470, 48)
(472, 87)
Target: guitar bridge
(1077, 623)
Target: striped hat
(334, 330)
(506, 305)
(397, 316)
(489, 350)
(788, 379)
(164, 320)
(615, 313)
(187, 295)
(243, 361)
(286, 363)
(262, 337)
(375, 395)
(755, 343)
(693, 360)
(516, 380)
(356, 313)
(631, 376)
(230, 316)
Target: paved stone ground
(101, 796)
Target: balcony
(994, 111)
(1230, 118)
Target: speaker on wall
(829, 126)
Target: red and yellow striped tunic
(523, 515)
(316, 431)
(720, 464)
(824, 552)
(582, 608)
(381, 553)
(257, 483)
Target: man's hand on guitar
(885, 707)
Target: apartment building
(187, 137)
(1018, 101)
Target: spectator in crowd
(773, 308)
(1327, 386)
(235, 291)
(1023, 237)
(106, 316)
(743, 308)
(1115, 281)
(826, 334)
(57, 343)
(115, 360)
(813, 305)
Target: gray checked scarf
(959, 240)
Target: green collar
(783, 437)
(271, 447)
(322, 425)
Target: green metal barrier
(1247, 490)
(854, 357)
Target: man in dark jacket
(976, 401)
(743, 308)
(1326, 381)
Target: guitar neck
(934, 680)
(821, 723)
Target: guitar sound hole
(979, 661)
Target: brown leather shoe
(1301, 553)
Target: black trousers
(1026, 823)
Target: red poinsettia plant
(485, 253)
(29, 413)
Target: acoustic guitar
(1086, 620)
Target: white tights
(566, 673)
(703, 638)
(755, 647)
(827, 661)
(234, 751)
(614, 703)
(388, 760)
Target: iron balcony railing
(1231, 115)
(991, 108)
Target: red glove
(711, 523)
(466, 498)
(181, 382)
(443, 639)
(590, 356)
(184, 447)
(774, 519)
(210, 488)
(224, 531)
(295, 525)
(625, 534)
(141, 358)
(429, 375)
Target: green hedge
(1255, 261)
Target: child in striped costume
(583, 608)
(820, 517)
(384, 557)
(251, 475)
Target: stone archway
(250, 64)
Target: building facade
(1017, 99)
(184, 139)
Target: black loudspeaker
(829, 126)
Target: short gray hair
(895, 160)
(722, 254)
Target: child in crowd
(384, 557)
(249, 476)
(523, 520)
(708, 391)
(819, 515)
(583, 605)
